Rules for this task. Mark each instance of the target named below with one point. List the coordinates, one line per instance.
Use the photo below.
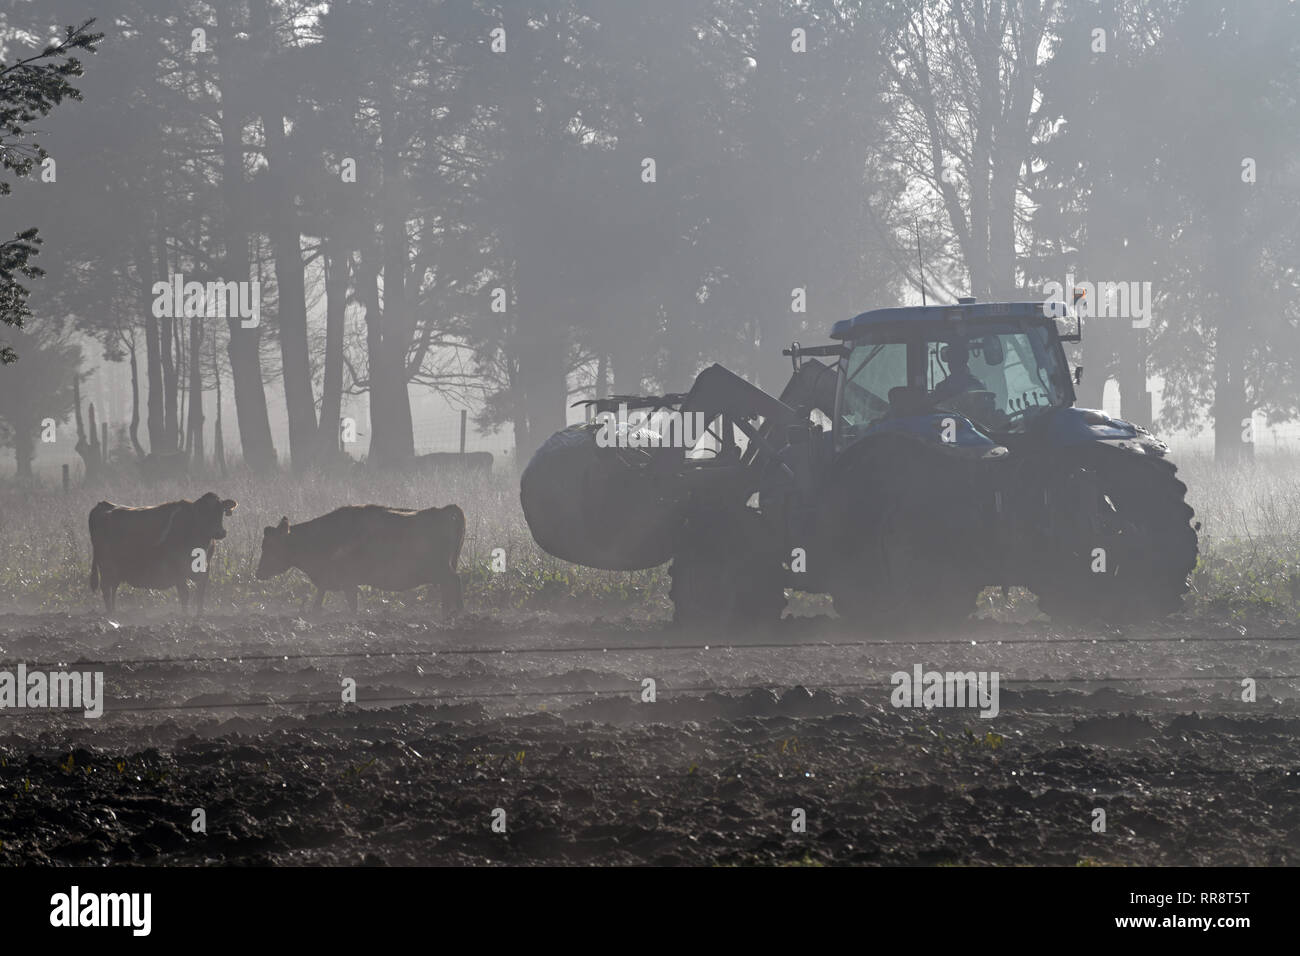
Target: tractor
(936, 452)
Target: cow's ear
(229, 505)
(283, 526)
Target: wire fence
(485, 651)
(634, 687)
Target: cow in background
(156, 547)
(391, 549)
(452, 463)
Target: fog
(505, 208)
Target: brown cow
(155, 547)
(387, 548)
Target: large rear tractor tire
(1133, 563)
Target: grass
(45, 546)
(1249, 539)
(1249, 565)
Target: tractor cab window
(873, 370)
(999, 376)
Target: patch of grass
(1249, 565)
(45, 547)
(990, 740)
(1249, 539)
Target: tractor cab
(998, 366)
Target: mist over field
(326, 537)
(799, 155)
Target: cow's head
(276, 557)
(208, 514)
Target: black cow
(156, 547)
(387, 548)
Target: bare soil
(543, 719)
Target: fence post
(66, 482)
(463, 414)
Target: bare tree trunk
(135, 403)
(1233, 441)
(294, 351)
(518, 416)
(24, 445)
(1014, 105)
(1134, 397)
(983, 40)
(167, 327)
(541, 337)
(1089, 393)
(625, 369)
(218, 440)
(388, 446)
(245, 343)
(153, 349)
(290, 278)
(336, 260)
(392, 439)
(602, 375)
(182, 389)
(195, 429)
(542, 345)
(545, 385)
(1231, 408)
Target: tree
(964, 83)
(36, 388)
(29, 89)
(1172, 159)
(406, 115)
(285, 231)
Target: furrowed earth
(241, 716)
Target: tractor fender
(1067, 427)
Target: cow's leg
(320, 600)
(201, 585)
(453, 596)
(110, 595)
(351, 594)
(183, 592)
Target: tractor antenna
(919, 264)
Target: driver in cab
(959, 378)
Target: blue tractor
(939, 452)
